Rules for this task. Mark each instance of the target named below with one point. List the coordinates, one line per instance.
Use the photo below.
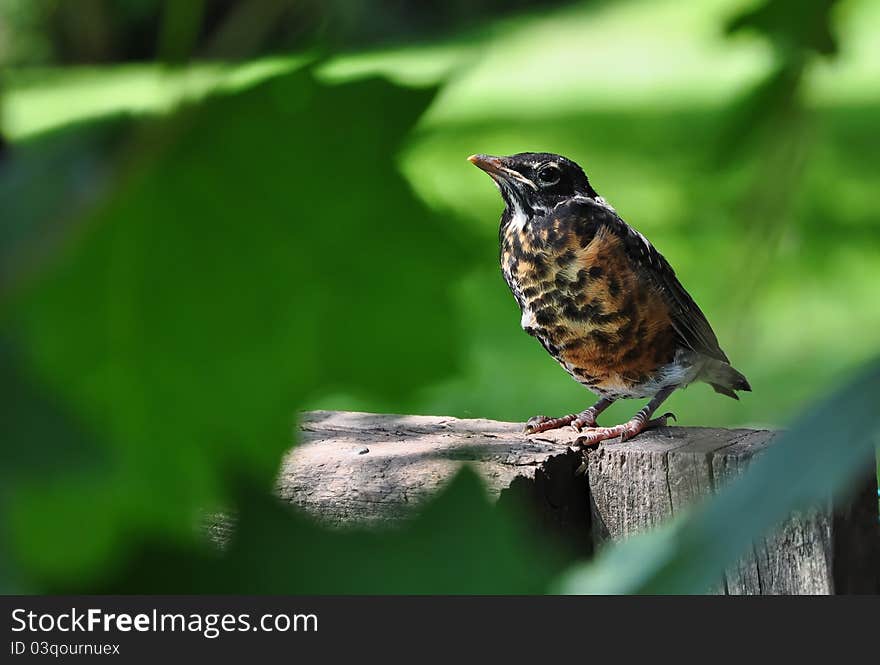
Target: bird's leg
(638, 423)
(586, 418)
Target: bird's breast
(586, 303)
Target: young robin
(597, 295)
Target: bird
(599, 297)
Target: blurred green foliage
(173, 304)
(459, 544)
(39, 32)
(797, 29)
(191, 255)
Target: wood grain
(361, 468)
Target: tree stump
(360, 468)
(638, 484)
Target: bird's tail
(724, 378)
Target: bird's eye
(549, 175)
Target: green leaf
(261, 249)
(46, 184)
(793, 25)
(458, 544)
(829, 446)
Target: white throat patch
(519, 218)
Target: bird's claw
(593, 436)
(533, 423)
(580, 424)
(630, 430)
(660, 421)
(538, 424)
(585, 419)
(625, 432)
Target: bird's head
(535, 182)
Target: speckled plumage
(597, 295)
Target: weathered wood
(361, 468)
(639, 483)
(796, 558)
(368, 468)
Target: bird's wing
(688, 320)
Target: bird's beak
(491, 165)
(496, 168)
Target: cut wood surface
(361, 468)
